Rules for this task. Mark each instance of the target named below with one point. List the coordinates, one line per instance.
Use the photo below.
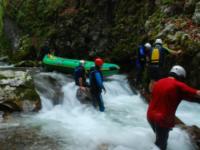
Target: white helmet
(158, 41)
(178, 70)
(147, 45)
(82, 62)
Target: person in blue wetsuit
(96, 84)
(141, 61)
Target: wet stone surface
(24, 138)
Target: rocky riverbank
(17, 90)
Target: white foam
(123, 125)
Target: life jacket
(79, 72)
(93, 82)
(155, 56)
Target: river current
(123, 125)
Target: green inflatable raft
(65, 65)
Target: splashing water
(123, 125)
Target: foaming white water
(5, 65)
(122, 126)
(189, 113)
(46, 103)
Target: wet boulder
(50, 86)
(18, 137)
(84, 96)
(16, 90)
(9, 106)
(194, 133)
(27, 63)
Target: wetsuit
(166, 95)
(79, 72)
(96, 86)
(141, 61)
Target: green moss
(2, 77)
(1, 19)
(30, 94)
(1, 16)
(3, 4)
(5, 47)
(23, 52)
(156, 22)
(165, 2)
(27, 91)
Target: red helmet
(98, 62)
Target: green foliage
(166, 2)
(39, 15)
(2, 77)
(4, 46)
(128, 31)
(1, 19)
(156, 23)
(23, 52)
(2, 6)
(53, 5)
(87, 28)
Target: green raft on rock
(65, 65)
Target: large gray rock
(17, 91)
(169, 28)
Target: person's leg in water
(97, 100)
(139, 74)
(162, 135)
(100, 102)
(94, 99)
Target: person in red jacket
(167, 93)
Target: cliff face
(177, 23)
(109, 28)
(80, 27)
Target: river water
(123, 125)
(4, 64)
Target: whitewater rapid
(123, 125)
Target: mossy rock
(2, 77)
(27, 63)
(22, 94)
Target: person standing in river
(167, 94)
(96, 84)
